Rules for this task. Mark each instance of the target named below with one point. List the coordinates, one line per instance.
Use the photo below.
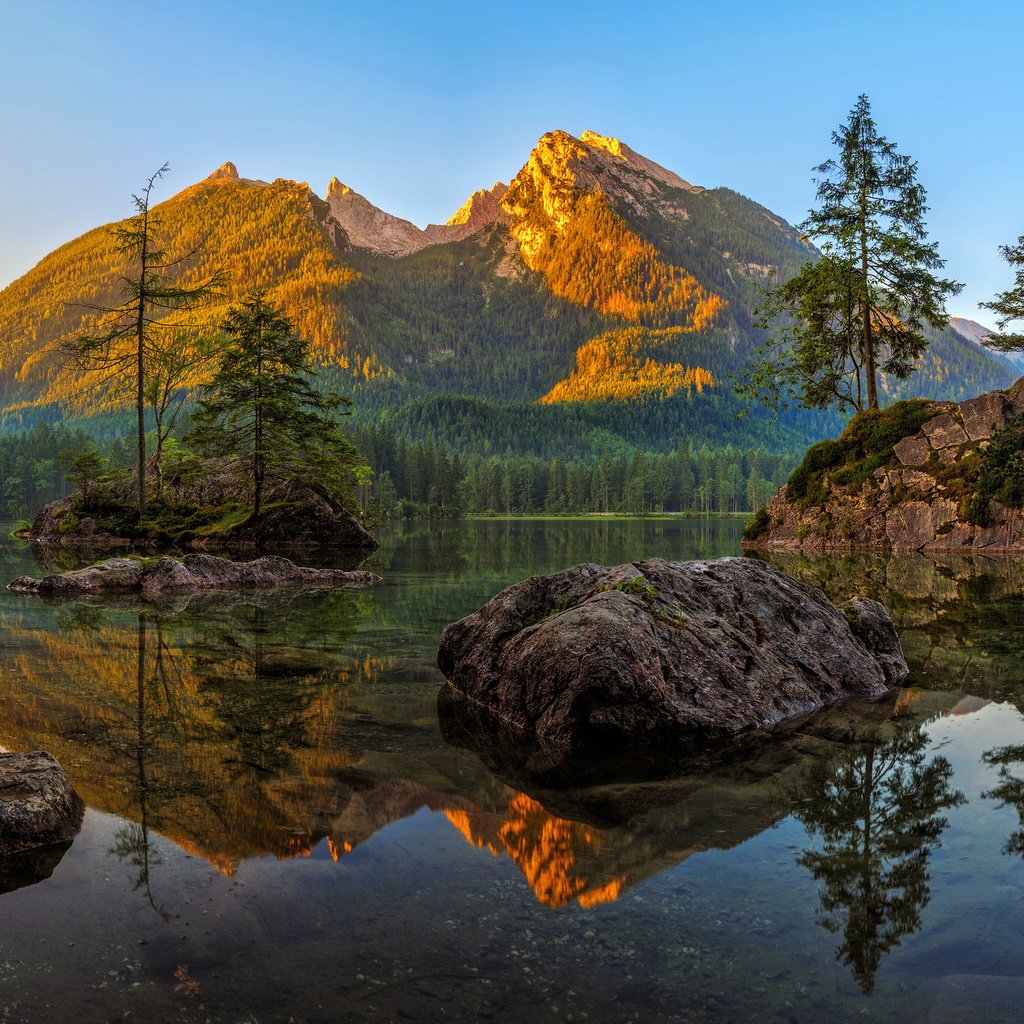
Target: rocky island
(206, 511)
(917, 476)
(153, 578)
(659, 653)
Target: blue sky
(418, 104)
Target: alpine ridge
(597, 299)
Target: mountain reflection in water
(285, 726)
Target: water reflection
(28, 867)
(876, 811)
(297, 726)
(218, 731)
(1009, 791)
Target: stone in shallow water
(657, 652)
(38, 805)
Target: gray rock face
(166, 576)
(983, 415)
(38, 805)
(918, 501)
(655, 652)
(913, 451)
(944, 432)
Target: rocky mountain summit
(919, 476)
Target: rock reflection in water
(958, 615)
(18, 870)
(876, 810)
(855, 773)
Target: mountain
(598, 300)
(978, 333)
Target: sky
(416, 105)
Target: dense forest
(421, 478)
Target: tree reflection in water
(876, 810)
(1010, 790)
(131, 841)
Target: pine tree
(1009, 305)
(876, 279)
(261, 409)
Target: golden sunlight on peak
(605, 142)
(227, 171)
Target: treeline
(32, 468)
(414, 479)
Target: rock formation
(918, 500)
(656, 652)
(294, 515)
(38, 805)
(154, 578)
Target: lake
(278, 829)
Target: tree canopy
(1009, 305)
(878, 280)
(261, 408)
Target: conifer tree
(128, 333)
(261, 409)
(878, 278)
(1009, 305)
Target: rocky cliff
(919, 476)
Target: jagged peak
(618, 149)
(337, 188)
(226, 172)
(484, 203)
(605, 142)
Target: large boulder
(157, 577)
(656, 652)
(38, 805)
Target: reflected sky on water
(278, 827)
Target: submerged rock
(655, 652)
(154, 578)
(38, 805)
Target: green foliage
(759, 524)
(126, 346)
(262, 409)
(868, 301)
(1009, 305)
(1001, 476)
(813, 348)
(866, 445)
(422, 475)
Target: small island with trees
(264, 460)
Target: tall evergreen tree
(1009, 305)
(877, 278)
(261, 409)
(128, 333)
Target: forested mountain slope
(599, 300)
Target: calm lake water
(277, 829)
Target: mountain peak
(481, 208)
(619, 150)
(227, 171)
(335, 188)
